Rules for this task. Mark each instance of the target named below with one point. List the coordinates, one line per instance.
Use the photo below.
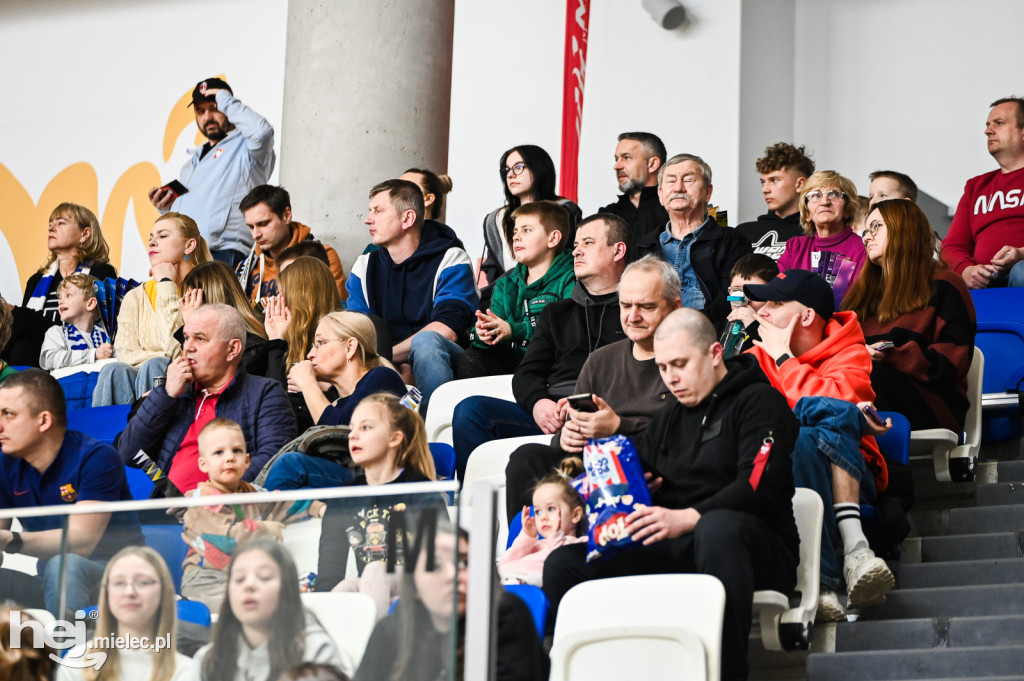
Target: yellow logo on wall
(23, 221)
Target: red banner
(577, 18)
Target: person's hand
(405, 371)
(529, 525)
(302, 376)
(979, 276)
(775, 341)
(105, 351)
(876, 355)
(163, 270)
(873, 427)
(161, 198)
(653, 483)
(189, 303)
(744, 313)
(600, 423)
(653, 523)
(179, 375)
(6, 536)
(546, 415)
(570, 440)
(277, 318)
(1007, 256)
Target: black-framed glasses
(516, 170)
(817, 196)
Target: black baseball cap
(199, 93)
(803, 286)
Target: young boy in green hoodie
(544, 274)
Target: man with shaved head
(729, 515)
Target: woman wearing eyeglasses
(527, 175)
(344, 354)
(135, 628)
(918, 320)
(830, 247)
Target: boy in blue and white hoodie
(81, 337)
(419, 282)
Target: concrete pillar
(366, 95)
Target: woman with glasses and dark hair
(527, 175)
(918, 320)
(831, 247)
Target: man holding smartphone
(238, 155)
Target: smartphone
(582, 402)
(176, 187)
(873, 414)
(884, 345)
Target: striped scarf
(43, 287)
(76, 341)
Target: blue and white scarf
(76, 341)
(38, 298)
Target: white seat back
(661, 653)
(348, 617)
(447, 397)
(661, 610)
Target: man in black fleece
(638, 157)
(567, 332)
(723, 503)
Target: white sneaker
(830, 609)
(867, 578)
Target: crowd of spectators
(248, 318)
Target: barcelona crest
(68, 493)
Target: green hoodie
(520, 304)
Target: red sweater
(990, 216)
(840, 367)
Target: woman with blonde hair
(149, 315)
(137, 606)
(828, 208)
(918, 320)
(343, 354)
(76, 245)
(305, 298)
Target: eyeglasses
(516, 170)
(137, 584)
(736, 297)
(317, 342)
(872, 229)
(832, 195)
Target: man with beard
(238, 155)
(701, 251)
(638, 157)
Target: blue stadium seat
(444, 460)
(535, 600)
(102, 423)
(1000, 336)
(138, 482)
(896, 443)
(166, 540)
(188, 611)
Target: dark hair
(782, 156)
(569, 468)
(30, 662)
(651, 142)
(907, 186)
(286, 646)
(305, 249)
(314, 671)
(1012, 99)
(42, 393)
(404, 195)
(543, 170)
(438, 185)
(276, 199)
(616, 228)
(755, 265)
(551, 216)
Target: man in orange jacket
(818, 359)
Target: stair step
(1010, 470)
(998, 493)
(937, 632)
(962, 573)
(960, 601)
(972, 547)
(987, 662)
(986, 519)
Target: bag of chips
(613, 487)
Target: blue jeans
(432, 358)
(1016, 276)
(830, 433)
(295, 470)
(232, 258)
(81, 583)
(481, 419)
(120, 383)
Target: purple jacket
(812, 252)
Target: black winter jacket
(648, 216)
